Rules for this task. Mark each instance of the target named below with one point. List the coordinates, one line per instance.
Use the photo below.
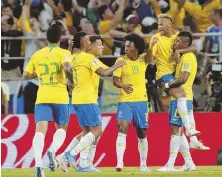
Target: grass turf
(201, 171)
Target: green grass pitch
(201, 171)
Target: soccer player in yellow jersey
(84, 96)
(51, 66)
(161, 50)
(185, 74)
(133, 99)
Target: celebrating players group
(55, 68)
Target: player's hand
(154, 41)
(71, 86)
(120, 63)
(176, 56)
(70, 41)
(128, 88)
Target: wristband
(167, 85)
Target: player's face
(164, 25)
(180, 43)
(130, 48)
(98, 47)
(86, 42)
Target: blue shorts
(45, 112)
(165, 78)
(138, 111)
(88, 115)
(174, 117)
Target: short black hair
(6, 5)
(54, 33)
(218, 11)
(101, 10)
(94, 38)
(188, 35)
(77, 39)
(137, 40)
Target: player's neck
(53, 44)
(133, 57)
(91, 52)
(82, 50)
(169, 33)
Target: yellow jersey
(201, 15)
(162, 52)
(47, 63)
(84, 66)
(133, 73)
(188, 63)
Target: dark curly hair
(137, 40)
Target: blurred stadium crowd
(31, 18)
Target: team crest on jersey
(186, 66)
(68, 58)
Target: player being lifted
(84, 98)
(51, 66)
(133, 99)
(185, 74)
(161, 51)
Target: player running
(51, 66)
(162, 51)
(84, 97)
(132, 100)
(185, 74)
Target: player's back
(162, 52)
(52, 80)
(84, 90)
(133, 73)
(188, 63)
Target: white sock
(182, 110)
(58, 140)
(120, 148)
(143, 150)
(92, 152)
(83, 162)
(38, 145)
(185, 150)
(73, 144)
(86, 141)
(193, 125)
(174, 148)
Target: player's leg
(185, 151)
(124, 117)
(61, 117)
(194, 142)
(140, 120)
(91, 155)
(43, 114)
(176, 129)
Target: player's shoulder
(124, 57)
(157, 35)
(39, 52)
(189, 56)
(64, 51)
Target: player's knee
(178, 92)
(141, 133)
(123, 128)
(175, 130)
(97, 131)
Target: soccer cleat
(83, 169)
(144, 169)
(71, 159)
(166, 168)
(39, 172)
(192, 132)
(62, 162)
(188, 167)
(93, 169)
(52, 164)
(119, 169)
(198, 145)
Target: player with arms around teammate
(51, 66)
(84, 97)
(132, 100)
(161, 51)
(185, 74)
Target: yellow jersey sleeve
(30, 68)
(213, 5)
(187, 62)
(95, 64)
(66, 57)
(118, 72)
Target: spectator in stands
(119, 33)
(212, 42)
(200, 13)
(7, 10)
(108, 21)
(149, 26)
(86, 26)
(10, 48)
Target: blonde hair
(165, 16)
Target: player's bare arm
(126, 87)
(70, 42)
(179, 81)
(69, 72)
(177, 53)
(149, 57)
(109, 71)
(29, 76)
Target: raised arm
(149, 55)
(25, 15)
